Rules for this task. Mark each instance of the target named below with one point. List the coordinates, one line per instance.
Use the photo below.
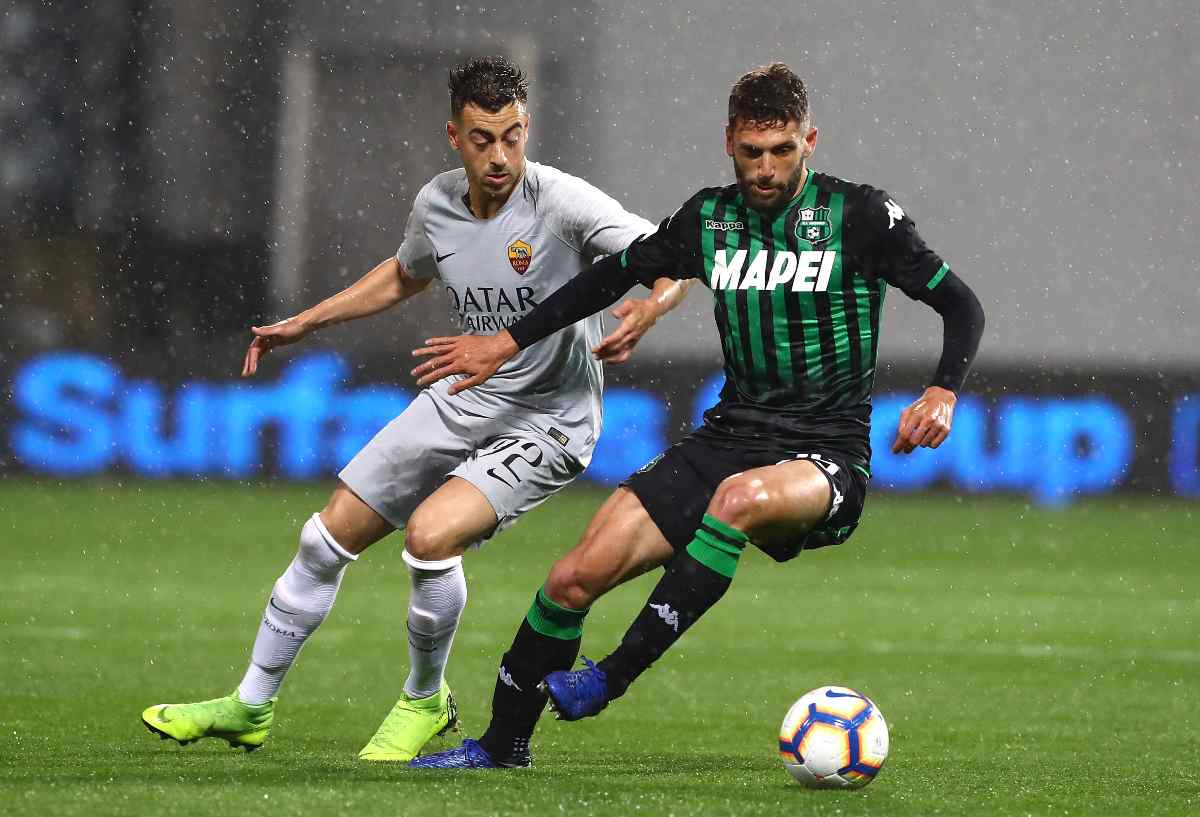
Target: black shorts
(676, 486)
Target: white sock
(299, 602)
(439, 594)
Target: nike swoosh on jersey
(441, 258)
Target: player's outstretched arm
(926, 423)
(386, 285)
(637, 315)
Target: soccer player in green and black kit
(798, 263)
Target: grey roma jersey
(496, 270)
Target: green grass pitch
(1028, 662)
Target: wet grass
(1028, 662)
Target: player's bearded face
(769, 161)
(492, 146)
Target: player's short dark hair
(771, 95)
(489, 82)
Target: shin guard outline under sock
(439, 594)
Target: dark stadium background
(171, 173)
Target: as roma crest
(519, 255)
(813, 225)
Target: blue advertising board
(74, 414)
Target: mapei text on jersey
(807, 273)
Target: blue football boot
(469, 756)
(576, 694)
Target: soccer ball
(833, 738)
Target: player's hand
(637, 315)
(266, 338)
(926, 423)
(476, 356)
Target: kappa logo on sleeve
(894, 213)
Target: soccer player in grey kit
(501, 233)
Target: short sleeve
(416, 253)
(672, 251)
(586, 218)
(895, 250)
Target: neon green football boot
(411, 724)
(227, 718)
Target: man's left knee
(569, 586)
(428, 541)
(740, 501)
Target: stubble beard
(785, 194)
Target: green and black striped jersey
(797, 294)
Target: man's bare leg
(620, 543)
(351, 522)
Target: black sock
(694, 581)
(548, 640)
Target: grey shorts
(434, 439)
